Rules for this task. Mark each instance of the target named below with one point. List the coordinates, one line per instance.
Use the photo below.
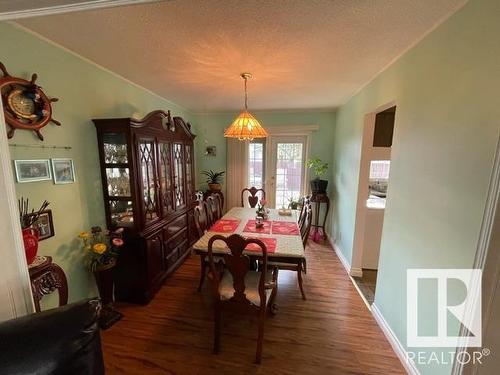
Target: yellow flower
(99, 248)
(84, 235)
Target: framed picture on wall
(63, 171)
(45, 225)
(32, 170)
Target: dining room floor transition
(332, 332)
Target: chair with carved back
(202, 222)
(253, 196)
(304, 233)
(238, 288)
(306, 201)
(215, 207)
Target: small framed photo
(211, 151)
(63, 171)
(32, 170)
(45, 225)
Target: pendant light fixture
(245, 127)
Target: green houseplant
(214, 179)
(319, 167)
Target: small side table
(45, 278)
(319, 198)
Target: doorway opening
(372, 197)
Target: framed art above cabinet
(147, 176)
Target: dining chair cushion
(252, 278)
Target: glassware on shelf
(118, 180)
(115, 148)
(122, 213)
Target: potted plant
(214, 179)
(102, 249)
(318, 185)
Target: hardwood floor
(332, 332)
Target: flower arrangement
(102, 247)
(261, 208)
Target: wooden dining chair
(252, 196)
(306, 201)
(304, 233)
(239, 289)
(215, 207)
(202, 222)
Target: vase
(104, 280)
(105, 284)
(319, 186)
(214, 187)
(30, 239)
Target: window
(256, 164)
(379, 169)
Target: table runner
(287, 246)
(251, 228)
(285, 228)
(225, 226)
(269, 242)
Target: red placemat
(225, 226)
(286, 227)
(269, 242)
(251, 228)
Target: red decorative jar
(30, 238)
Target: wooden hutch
(148, 186)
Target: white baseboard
(398, 348)
(358, 272)
(341, 256)
(352, 271)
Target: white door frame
(271, 162)
(15, 287)
(487, 258)
(368, 152)
(288, 130)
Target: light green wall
(211, 129)
(446, 129)
(85, 92)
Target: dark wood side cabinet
(147, 174)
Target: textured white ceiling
(302, 53)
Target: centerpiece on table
(102, 249)
(262, 212)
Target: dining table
(280, 233)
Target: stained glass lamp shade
(245, 126)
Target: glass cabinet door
(165, 174)
(149, 189)
(179, 183)
(189, 175)
(117, 173)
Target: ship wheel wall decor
(25, 104)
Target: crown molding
(234, 112)
(65, 8)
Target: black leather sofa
(65, 340)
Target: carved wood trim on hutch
(147, 171)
